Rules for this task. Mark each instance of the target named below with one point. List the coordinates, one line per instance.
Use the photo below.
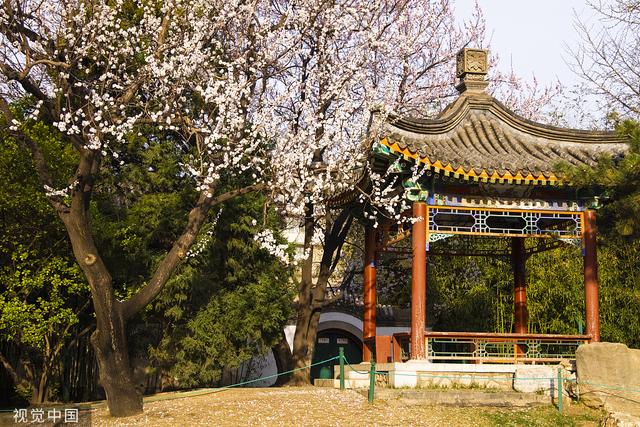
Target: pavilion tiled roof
(478, 138)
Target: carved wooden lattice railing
(480, 347)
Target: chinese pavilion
(488, 172)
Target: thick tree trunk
(303, 341)
(284, 361)
(311, 297)
(304, 345)
(109, 340)
(114, 369)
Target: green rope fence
(559, 380)
(203, 392)
(372, 372)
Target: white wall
(266, 366)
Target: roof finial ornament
(471, 68)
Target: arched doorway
(328, 343)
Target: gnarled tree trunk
(114, 369)
(284, 361)
(305, 340)
(109, 340)
(311, 296)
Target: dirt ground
(327, 407)
(315, 407)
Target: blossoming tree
(354, 58)
(279, 90)
(102, 72)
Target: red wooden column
(519, 259)
(591, 303)
(370, 297)
(520, 312)
(418, 281)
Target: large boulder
(609, 376)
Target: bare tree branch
(197, 216)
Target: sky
(531, 36)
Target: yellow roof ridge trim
(483, 175)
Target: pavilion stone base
(425, 374)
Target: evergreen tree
(229, 302)
(619, 179)
(43, 296)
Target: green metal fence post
(372, 380)
(341, 355)
(560, 389)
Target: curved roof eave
(455, 112)
(478, 138)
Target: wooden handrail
(496, 335)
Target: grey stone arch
(342, 326)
